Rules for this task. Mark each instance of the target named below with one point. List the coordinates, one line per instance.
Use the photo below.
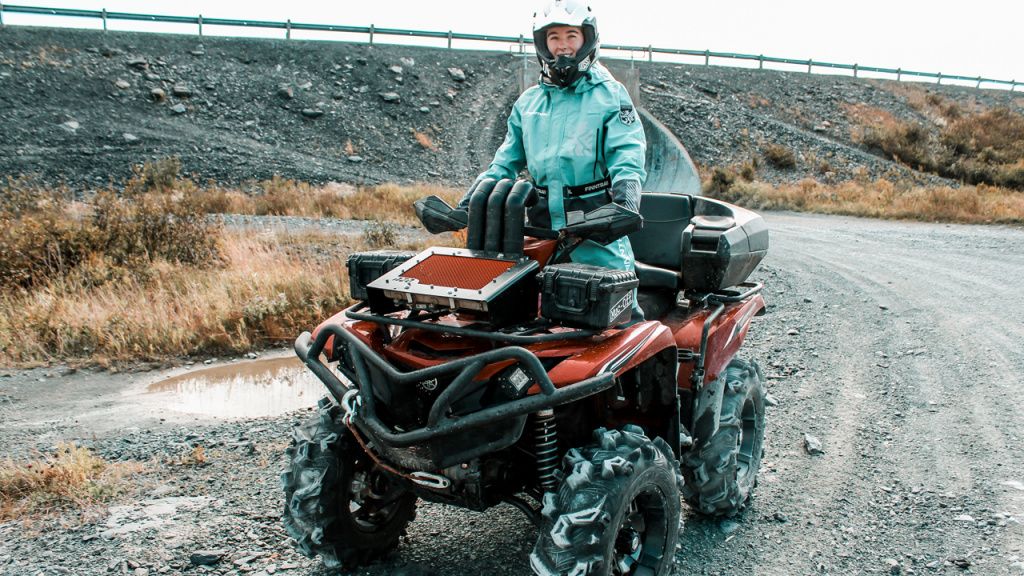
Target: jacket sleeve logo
(627, 114)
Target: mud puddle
(245, 390)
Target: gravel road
(897, 345)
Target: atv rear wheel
(616, 511)
(721, 471)
(337, 503)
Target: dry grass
(44, 237)
(779, 156)
(194, 458)
(72, 477)
(424, 140)
(985, 147)
(980, 204)
(270, 288)
(142, 275)
(290, 198)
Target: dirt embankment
(82, 106)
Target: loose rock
(206, 557)
(812, 445)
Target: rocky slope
(82, 106)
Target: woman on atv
(577, 133)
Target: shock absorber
(546, 452)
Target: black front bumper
(449, 439)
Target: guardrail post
(650, 53)
(707, 57)
(200, 24)
(855, 70)
(522, 45)
(760, 62)
(939, 81)
(1, 14)
(104, 16)
(899, 74)
(371, 34)
(810, 64)
(978, 85)
(288, 29)
(1013, 85)
(449, 39)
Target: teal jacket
(573, 136)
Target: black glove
(603, 225)
(437, 216)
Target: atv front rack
(441, 421)
(519, 337)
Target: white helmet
(564, 70)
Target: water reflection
(244, 390)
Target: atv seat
(658, 246)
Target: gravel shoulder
(896, 344)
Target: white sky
(981, 37)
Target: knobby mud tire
(721, 471)
(618, 492)
(323, 460)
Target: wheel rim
(373, 499)
(640, 538)
(747, 440)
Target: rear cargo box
(721, 245)
(584, 296)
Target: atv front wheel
(616, 511)
(721, 471)
(337, 503)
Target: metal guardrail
(288, 26)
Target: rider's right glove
(437, 216)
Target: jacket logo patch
(627, 115)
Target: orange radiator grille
(457, 272)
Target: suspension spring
(546, 437)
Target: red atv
(503, 373)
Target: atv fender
(615, 355)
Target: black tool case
(585, 296)
(365, 267)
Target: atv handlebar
(439, 422)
